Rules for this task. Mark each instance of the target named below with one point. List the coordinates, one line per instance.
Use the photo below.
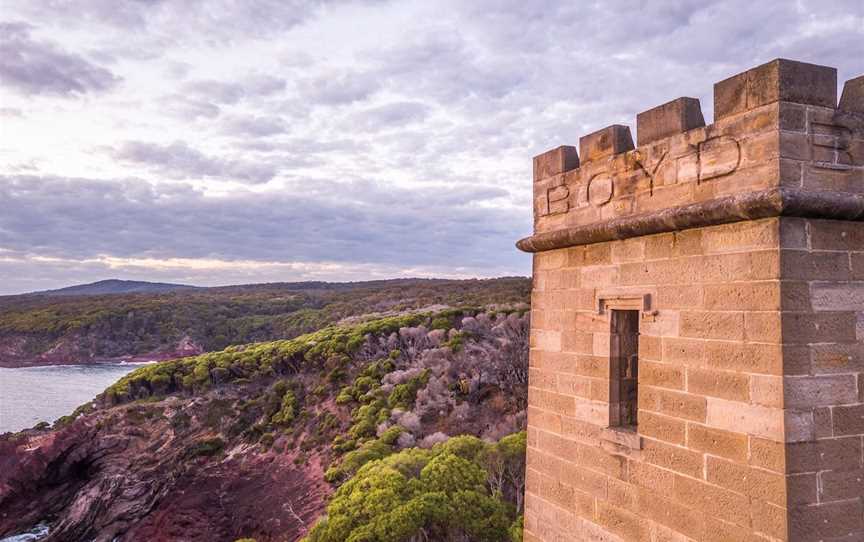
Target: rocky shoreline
(12, 358)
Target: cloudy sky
(219, 141)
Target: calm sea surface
(35, 394)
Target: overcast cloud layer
(216, 142)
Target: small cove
(29, 395)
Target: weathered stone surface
(603, 143)
(725, 172)
(741, 245)
(671, 118)
(556, 161)
(852, 98)
(747, 206)
(778, 80)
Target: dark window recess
(624, 354)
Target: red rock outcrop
(127, 471)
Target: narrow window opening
(624, 373)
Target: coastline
(121, 360)
(36, 394)
(41, 364)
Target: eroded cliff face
(251, 442)
(157, 471)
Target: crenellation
(556, 161)
(604, 143)
(675, 117)
(852, 98)
(780, 80)
(740, 247)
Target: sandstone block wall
(741, 246)
(823, 386)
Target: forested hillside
(51, 329)
(402, 428)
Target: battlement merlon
(780, 145)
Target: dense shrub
(265, 359)
(287, 411)
(369, 451)
(403, 395)
(442, 494)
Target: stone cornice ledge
(737, 208)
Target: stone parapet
(721, 210)
(777, 135)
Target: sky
(232, 141)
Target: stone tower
(697, 329)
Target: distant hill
(116, 286)
(126, 320)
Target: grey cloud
(177, 70)
(190, 109)
(181, 21)
(362, 222)
(258, 145)
(219, 91)
(179, 160)
(658, 47)
(24, 167)
(113, 53)
(339, 88)
(525, 76)
(24, 275)
(40, 67)
(442, 64)
(263, 85)
(228, 92)
(253, 126)
(340, 145)
(396, 114)
(296, 151)
(132, 14)
(363, 191)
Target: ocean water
(35, 394)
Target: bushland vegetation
(109, 326)
(418, 418)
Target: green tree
(441, 494)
